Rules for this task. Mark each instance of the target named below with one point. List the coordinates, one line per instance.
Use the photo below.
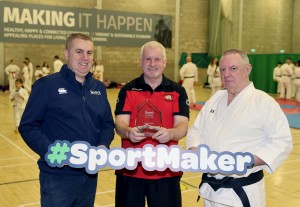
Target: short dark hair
(73, 36)
(19, 80)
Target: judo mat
(292, 112)
(290, 108)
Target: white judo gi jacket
(253, 122)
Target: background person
(216, 83)
(25, 76)
(57, 64)
(160, 188)
(240, 119)
(19, 99)
(189, 75)
(211, 69)
(30, 72)
(38, 73)
(287, 74)
(277, 76)
(68, 105)
(45, 69)
(12, 71)
(99, 71)
(296, 81)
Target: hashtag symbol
(57, 153)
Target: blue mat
(294, 120)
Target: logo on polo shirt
(169, 97)
(62, 91)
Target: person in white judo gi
(277, 76)
(211, 69)
(240, 119)
(287, 74)
(189, 75)
(216, 82)
(19, 99)
(12, 71)
(296, 82)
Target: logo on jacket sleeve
(62, 91)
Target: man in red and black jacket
(160, 188)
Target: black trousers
(133, 192)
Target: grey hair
(153, 44)
(243, 55)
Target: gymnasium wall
(268, 26)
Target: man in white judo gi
(189, 75)
(287, 74)
(240, 119)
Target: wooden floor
(19, 185)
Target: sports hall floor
(19, 185)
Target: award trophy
(148, 118)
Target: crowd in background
(288, 77)
(29, 73)
(20, 80)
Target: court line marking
(19, 148)
(108, 205)
(23, 164)
(29, 204)
(13, 158)
(19, 181)
(104, 192)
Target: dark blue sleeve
(33, 116)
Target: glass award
(148, 118)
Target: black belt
(287, 75)
(297, 77)
(278, 75)
(190, 77)
(235, 183)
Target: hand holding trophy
(148, 118)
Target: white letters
(79, 157)
(38, 17)
(124, 23)
(159, 158)
(97, 159)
